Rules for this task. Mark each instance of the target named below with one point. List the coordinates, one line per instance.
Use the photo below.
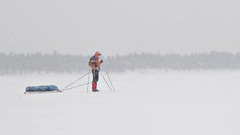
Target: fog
(119, 27)
(174, 65)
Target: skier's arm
(91, 64)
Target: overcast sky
(119, 26)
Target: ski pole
(110, 81)
(106, 82)
(88, 81)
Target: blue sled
(42, 88)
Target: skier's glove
(96, 68)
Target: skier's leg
(93, 82)
(95, 79)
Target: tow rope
(67, 87)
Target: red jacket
(94, 61)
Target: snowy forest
(22, 63)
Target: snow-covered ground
(145, 103)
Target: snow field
(145, 103)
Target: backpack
(92, 58)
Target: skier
(94, 63)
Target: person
(94, 63)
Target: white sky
(119, 26)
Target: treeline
(22, 63)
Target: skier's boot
(95, 90)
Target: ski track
(145, 103)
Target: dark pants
(95, 75)
(95, 79)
